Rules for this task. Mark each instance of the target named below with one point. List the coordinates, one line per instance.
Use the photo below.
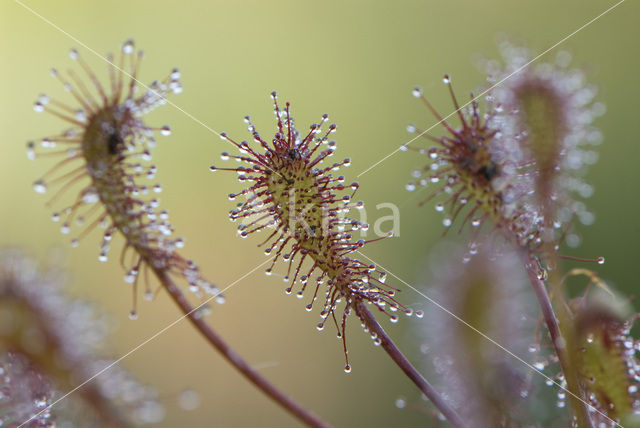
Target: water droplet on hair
(128, 46)
(347, 368)
(40, 186)
(539, 365)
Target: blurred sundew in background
(357, 61)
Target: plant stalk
(559, 342)
(398, 357)
(233, 357)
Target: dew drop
(127, 46)
(410, 187)
(320, 326)
(133, 315)
(411, 129)
(539, 365)
(347, 368)
(165, 130)
(417, 92)
(439, 207)
(40, 186)
(600, 260)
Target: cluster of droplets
(474, 174)
(570, 101)
(613, 393)
(24, 392)
(107, 152)
(489, 293)
(499, 166)
(294, 197)
(67, 336)
(610, 375)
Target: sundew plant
(360, 215)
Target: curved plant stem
(398, 357)
(559, 342)
(233, 357)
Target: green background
(356, 60)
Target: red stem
(233, 357)
(398, 357)
(559, 343)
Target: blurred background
(357, 61)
